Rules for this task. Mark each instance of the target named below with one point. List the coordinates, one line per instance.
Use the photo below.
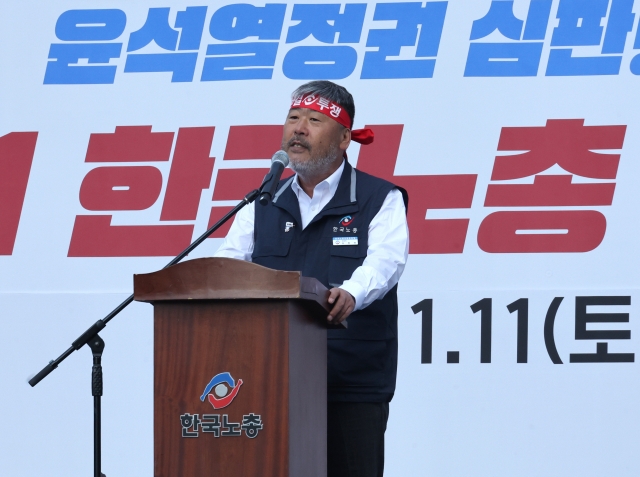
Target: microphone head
(282, 157)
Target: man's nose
(302, 127)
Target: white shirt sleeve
(239, 241)
(387, 252)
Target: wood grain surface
(211, 278)
(307, 393)
(278, 349)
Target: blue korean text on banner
(227, 61)
(518, 57)
(324, 62)
(156, 29)
(92, 32)
(426, 39)
(580, 25)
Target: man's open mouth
(295, 142)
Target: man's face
(313, 141)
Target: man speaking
(348, 230)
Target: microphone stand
(96, 343)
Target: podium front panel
(240, 389)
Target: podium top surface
(224, 279)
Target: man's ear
(346, 138)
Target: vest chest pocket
(344, 259)
(277, 247)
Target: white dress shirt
(387, 249)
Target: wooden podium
(240, 370)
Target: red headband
(335, 112)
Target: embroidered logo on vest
(346, 220)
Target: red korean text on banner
(450, 191)
(133, 187)
(571, 145)
(232, 184)
(16, 156)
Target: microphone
(279, 161)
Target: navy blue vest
(362, 360)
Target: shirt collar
(332, 181)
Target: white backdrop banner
(127, 129)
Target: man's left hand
(343, 304)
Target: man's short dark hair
(333, 92)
